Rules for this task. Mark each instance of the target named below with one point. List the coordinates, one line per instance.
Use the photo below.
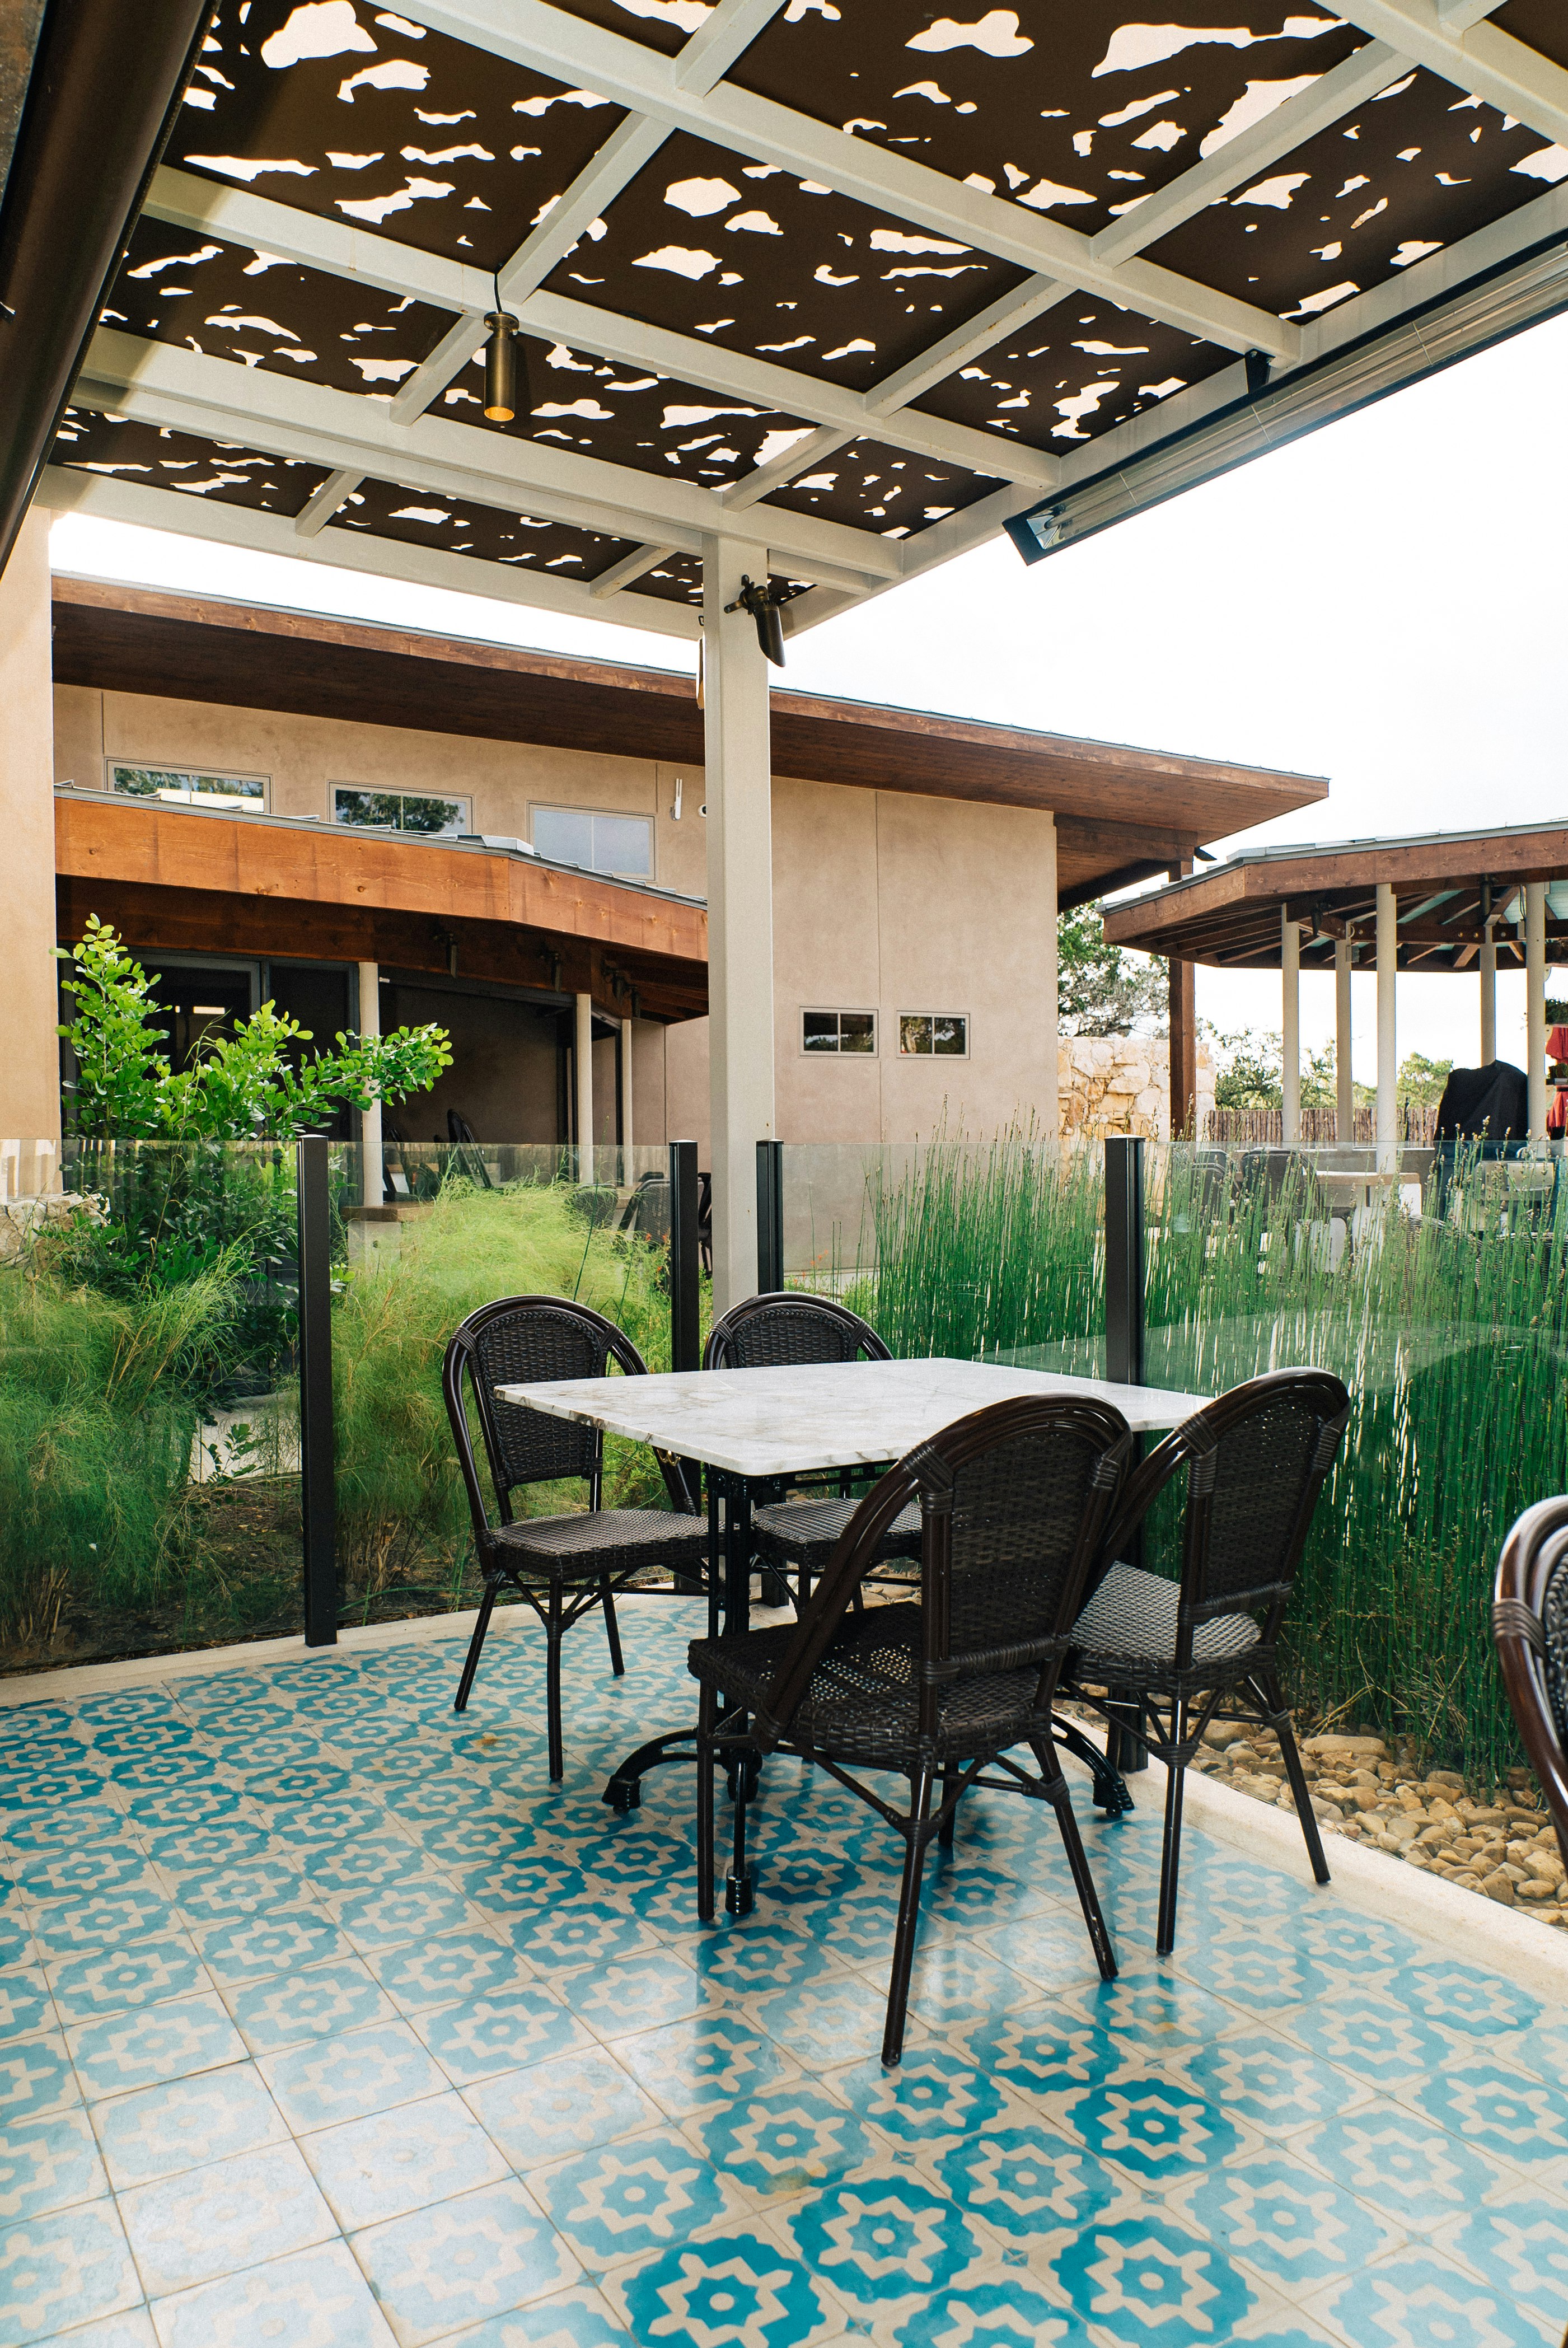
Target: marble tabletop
(786, 1422)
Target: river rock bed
(1373, 1790)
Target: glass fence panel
(422, 1236)
(1431, 1282)
(989, 1249)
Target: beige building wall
(883, 901)
(30, 1056)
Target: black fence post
(769, 1217)
(317, 1496)
(685, 1324)
(1124, 1276)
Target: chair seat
(862, 1703)
(1130, 1623)
(600, 1540)
(794, 1533)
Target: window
(411, 811)
(839, 1031)
(933, 1034)
(620, 844)
(218, 793)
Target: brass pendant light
(501, 367)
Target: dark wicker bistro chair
(1160, 1658)
(563, 1566)
(774, 1332)
(1013, 1502)
(1530, 1624)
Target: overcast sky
(1382, 604)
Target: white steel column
(627, 1174)
(372, 1183)
(738, 789)
(1344, 1054)
(1290, 1004)
(1489, 999)
(1535, 1002)
(1388, 1035)
(582, 1057)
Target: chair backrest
(1013, 1506)
(1530, 1624)
(1255, 1462)
(529, 1341)
(779, 1330)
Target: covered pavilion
(1448, 901)
(807, 299)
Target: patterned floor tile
(244, 1888)
(295, 2009)
(783, 2140)
(64, 2269)
(757, 1956)
(116, 1981)
(734, 2289)
(481, 2255)
(1297, 2231)
(640, 2194)
(401, 2160)
(47, 2164)
(1266, 2079)
(579, 1932)
(954, 1982)
(1414, 2300)
(706, 2058)
(615, 2000)
(997, 2310)
(478, 2037)
(36, 2078)
(560, 2106)
(961, 1892)
(1372, 2035)
(286, 1938)
(133, 2329)
(160, 2042)
(1049, 1948)
(880, 2237)
(1142, 2279)
(1151, 2124)
(348, 2077)
(84, 1874)
(1518, 2244)
(1033, 2184)
(376, 1860)
(71, 1828)
(1416, 2174)
(933, 2096)
(1044, 2049)
(579, 2318)
(1262, 1970)
(185, 2124)
(462, 1963)
(396, 1913)
(1467, 2001)
(26, 2005)
(306, 1826)
(316, 2298)
(1502, 2113)
(190, 1805)
(836, 2018)
(1151, 2012)
(114, 1919)
(211, 2221)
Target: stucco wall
(29, 1056)
(883, 901)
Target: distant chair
(1176, 1651)
(1012, 1502)
(1529, 1625)
(563, 1566)
(787, 1328)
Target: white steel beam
(1003, 316)
(1458, 16)
(160, 383)
(1332, 95)
(805, 456)
(636, 566)
(713, 47)
(533, 33)
(1482, 59)
(242, 218)
(318, 511)
(66, 492)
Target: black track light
(763, 602)
(501, 367)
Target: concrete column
(738, 784)
(583, 1060)
(1388, 1033)
(627, 1174)
(1535, 1002)
(371, 1181)
(30, 1061)
(1489, 1000)
(1290, 1008)
(1344, 1050)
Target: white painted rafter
(1008, 312)
(803, 457)
(221, 400)
(1458, 16)
(333, 494)
(62, 491)
(631, 567)
(1480, 59)
(706, 56)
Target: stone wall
(1121, 1083)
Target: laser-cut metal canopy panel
(856, 280)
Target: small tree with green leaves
(239, 1087)
(1104, 990)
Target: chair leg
(908, 1920)
(1051, 1771)
(949, 1826)
(1171, 1849)
(471, 1660)
(1279, 1721)
(552, 1686)
(611, 1628)
(739, 1897)
(707, 1705)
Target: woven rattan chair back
(784, 1329)
(1013, 1505)
(1530, 1624)
(1254, 1464)
(529, 1341)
